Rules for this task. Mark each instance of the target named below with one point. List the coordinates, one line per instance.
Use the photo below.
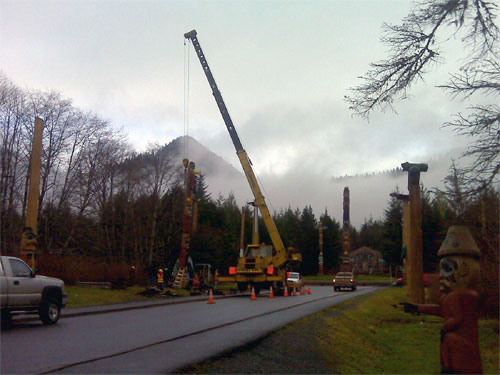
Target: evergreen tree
(332, 242)
(201, 191)
(392, 241)
(308, 241)
(217, 239)
(432, 231)
(456, 198)
(288, 224)
(371, 234)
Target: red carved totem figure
(459, 303)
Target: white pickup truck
(24, 292)
(294, 280)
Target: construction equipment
(204, 273)
(261, 265)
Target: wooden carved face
(458, 272)
(28, 240)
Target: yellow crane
(261, 265)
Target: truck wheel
(50, 312)
(6, 318)
(279, 290)
(6, 315)
(242, 287)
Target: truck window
(19, 269)
(266, 251)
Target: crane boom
(192, 35)
(281, 255)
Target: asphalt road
(156, 339)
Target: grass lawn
(83, 296)
(372, 336)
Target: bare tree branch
(484, 78)
(482, 125)
(413, 49)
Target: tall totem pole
(346, 240)
(190, 212)
(321, 267)
(415, 272)
(29, 235)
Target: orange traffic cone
(309, 291)
(211, 297)
(302, 291)
(271, 294)
(294, 292)
(253, 297)
(285, 294)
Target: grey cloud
(300, 187)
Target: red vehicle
(429, 279)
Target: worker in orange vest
(159, 277)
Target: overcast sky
(283, 68)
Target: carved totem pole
(414, 248)
(346, 240)
(459, 303)
(321, 266)
(28, 248)
(190, 211)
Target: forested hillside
(100, 199)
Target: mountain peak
(207, 162)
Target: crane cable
(265, 193)
(186, 98)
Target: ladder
(179, 278)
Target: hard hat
(459, 241)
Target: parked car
(22, 291)
(344, 280)
(428, 279)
